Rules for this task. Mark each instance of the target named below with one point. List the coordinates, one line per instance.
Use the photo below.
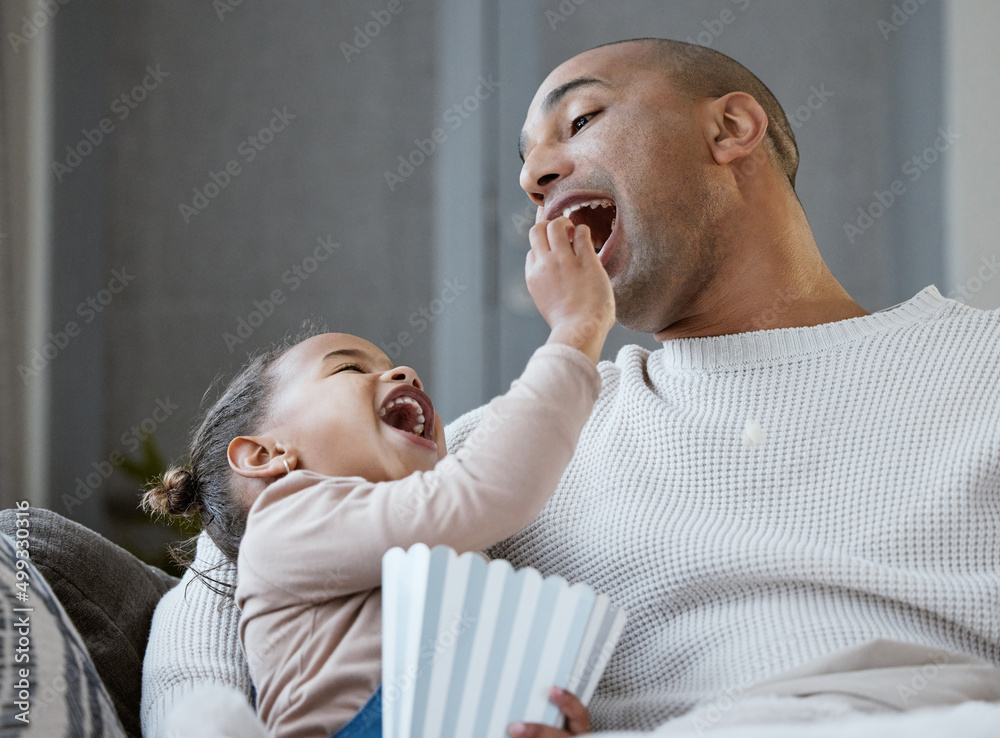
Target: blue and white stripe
(469, 646)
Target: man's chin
(636, 309)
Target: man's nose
(544, 166)
(403, 374)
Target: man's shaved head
(697, 71)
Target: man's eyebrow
(553, 98)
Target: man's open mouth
(599, 215)
(409, 410)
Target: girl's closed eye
(349, 368)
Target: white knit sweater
(755, 501)
(193, 641)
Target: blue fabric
(367, 723)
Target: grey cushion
(108, 594)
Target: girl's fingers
(582, 242)
(560, 234)
(538, 238)
(577, 716)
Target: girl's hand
(569, 285)
(577, 719)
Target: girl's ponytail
(175, 495)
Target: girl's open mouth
(409, 410)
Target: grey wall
(150, 354)
(81, 252)
(160, 341)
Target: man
(756, 500)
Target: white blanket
(218, 712)
(967, 720)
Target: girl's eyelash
(346, 367)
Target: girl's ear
(259, 457)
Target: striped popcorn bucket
(469, 647)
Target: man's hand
(577, 719)
(569, 285)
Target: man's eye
(580, 122)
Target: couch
(108, 595)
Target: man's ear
(259, 457)
(736, 124)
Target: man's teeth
(418, 429)
(591, 204)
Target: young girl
(321, 457)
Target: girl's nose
(402, 374)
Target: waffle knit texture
(193, 641)
(756, 501)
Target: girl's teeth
(419, 429)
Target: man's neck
(786, 309)
(774, 280)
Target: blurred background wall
(185, 182)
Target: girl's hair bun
(175, 495)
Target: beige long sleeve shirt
(310, 564)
